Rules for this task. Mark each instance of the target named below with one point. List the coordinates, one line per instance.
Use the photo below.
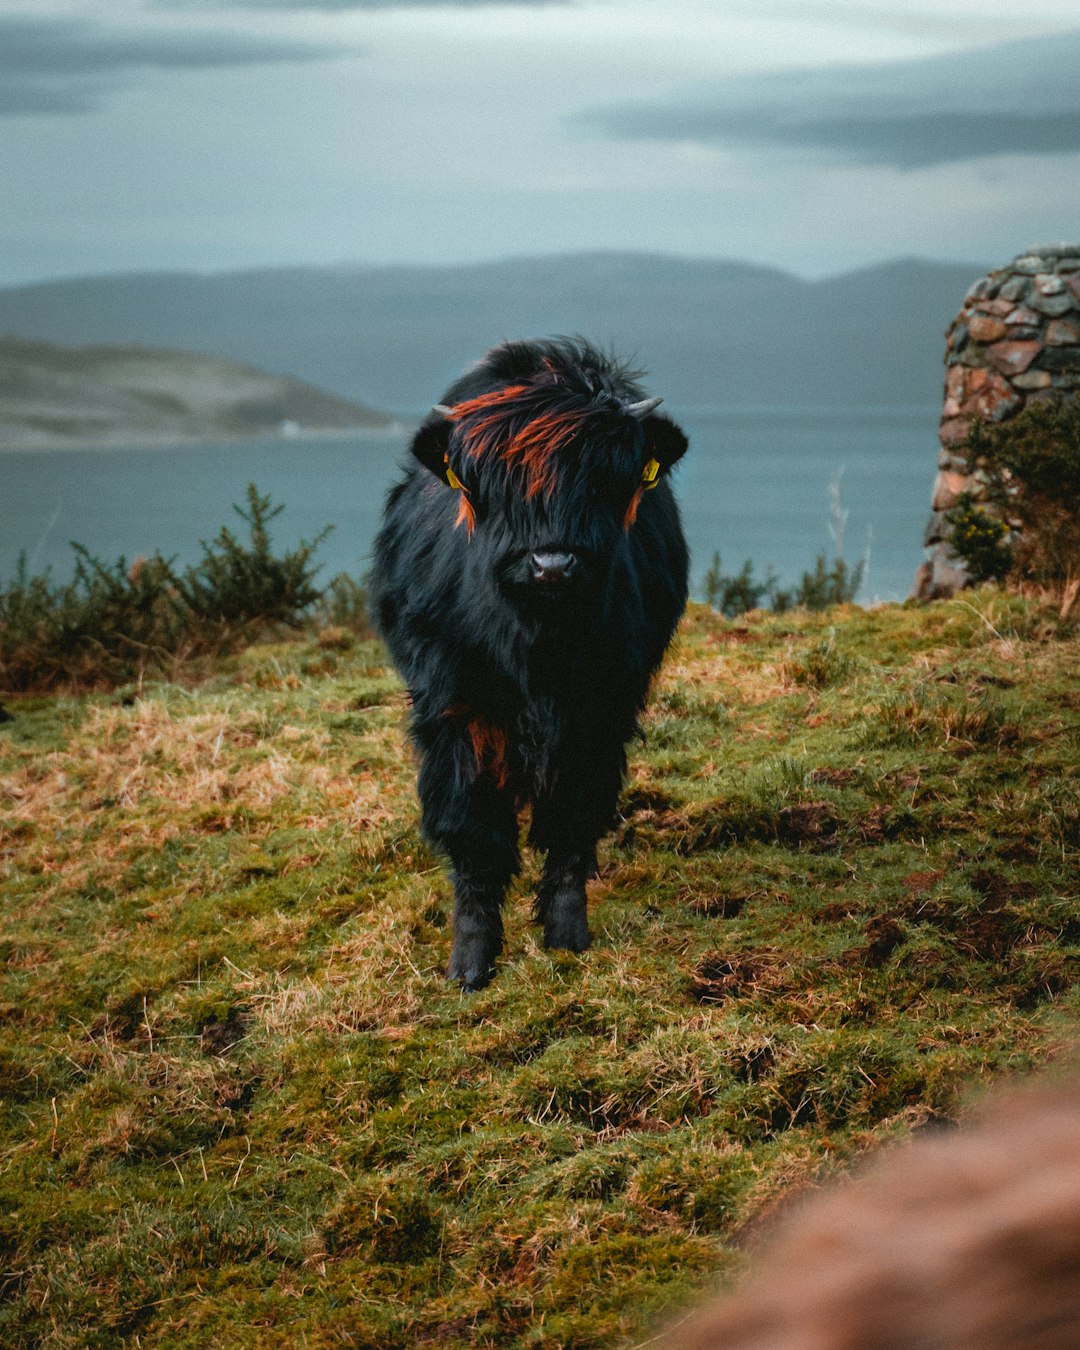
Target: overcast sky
(816, 135)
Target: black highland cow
(529, 574)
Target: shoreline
(840, 412)
(165, 441)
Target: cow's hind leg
(472, 819)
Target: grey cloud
(22, 96)
(66, 66)
(1018, 98)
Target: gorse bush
(239, 583)
(114, 623)
(108, 624)
(1032, 467)
(981, 539)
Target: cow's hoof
(470, 971)
(568, 937)
(471, 980)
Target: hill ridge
(710, 330)
(53, 395)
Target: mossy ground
(242, 1107)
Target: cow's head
(549, 472)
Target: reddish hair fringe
(466, 513)
(631, 510)
(533, 448)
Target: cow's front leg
(468, 812)
(478, 930)
(569, 818)
(561, 901)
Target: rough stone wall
(1017, 338)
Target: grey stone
(1047, 284)
(1032, 379)
(954, 463)
(949, 574)
(972, 356)
(1015, 288)
(924, 577)
(1059, 360)
(1066, 265)
(1062, 333)
(1058, 250)
(1028, 265)
(1005, 408)
(978, 290)
(948, 489)
(937, 528)
(1053, 305)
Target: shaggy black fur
(528, 619)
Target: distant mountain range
(707, 331)
(55, 396)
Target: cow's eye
(650, 475)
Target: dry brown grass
(227, 1049)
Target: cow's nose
(551, 568)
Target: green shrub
(107, 625)
(1032, 466)
(732, 596)
(343, 605)
(237, 584)
(823, 587)
(980, 539)
(114, 623)
(819, 589)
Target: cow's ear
(431, 443)
(664, 440)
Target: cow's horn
(443, 409)
(642, 409)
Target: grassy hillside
(241, 1106)
(57, 396)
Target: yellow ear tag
(650, 475)
(451, 477)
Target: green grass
(242, 1107)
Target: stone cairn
(1017, 338)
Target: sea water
(775, 485)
